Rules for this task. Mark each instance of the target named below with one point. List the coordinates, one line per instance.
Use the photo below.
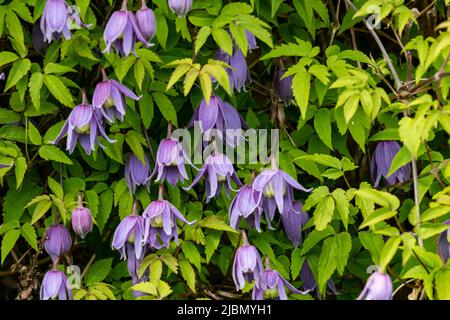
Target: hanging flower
(293, 222)
(378, 287)
(55, 285)
(283, 86)
(245, 205)
(146, 21)
(444, 244)
(239, 73)
(81, 219)
(247, 265)
(137, 173)
(180, 7)
(57, 241)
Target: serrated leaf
(20, 167)
(40, 210)
(58, 89)
(8, 242)
(166, 107)
(214, 222)
(323, 213)
(29, 234)
(19, 69)
(201, 38)
(98, 271)
(49, 152)
(191, 253)
(188, 274)
(322, 124)
(301, 84)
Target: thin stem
(91, 260)
(143, 4)
(169, 130)
(161, 192)
(124, 5)
(244, 238)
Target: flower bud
(58, 241)
(180, 7)
(283, 86)
(146, 21)
(81, 219)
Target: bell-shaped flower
(122, 31)
(293, 222)
(57, 241)
(161, 223)
(180, 7)
(309, 283)
(137, 173)
(383, 155)
(55, 285)
(378, 287)
(146, 21)
(109, 98)
(81, 219)
(247, 265)
(128, 237)
(57, 18)
(170, 162)
(218, 171)
(283, 86)
(239, 73)
(272, 285)
(444, 244)
(245, 205)
(276, 188)
(251, 41)
(84, 124)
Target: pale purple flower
(309, 283)
(84, 124)
(180, 7)
(57, 241)
(444, 244)
(293, 222)
(122, 31)
(109, 97)
(277, 191)
(137, 173)
(2, 76)
(283, 86)
(160, 220)
(57, 18)
(146, 21)
(239, 73)
(55, 285)
(81, 219)
(247, 266)
(271, 286)
(170, 162)
(128, 237)
(383, 155)
(219, 172)
(378, 287)
(245, 205)
(251, 41)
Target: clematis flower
(180, 7)
(128, 237)
(218, 171)
(247, 265)
(83, 124)
(58, 18)
(81, 219)
(277, 192)
(293, 222)
(170, 162)
(136, 173)
(378, 287)
(55, 285)
(146, 21)
(245, 205)
(57, 241)
(121, 31)
(272, 286)
(109, 98)
(160, 221)
(309, 283)
(283, 86)
(239, 73)
(2, 76)
(383, 155)
(444, 244)
(251, 41)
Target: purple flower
(55, 285)
(128, 237)
(83, 124)
(293, 222)
(383, 155)
(283, 86)
(309, 283)
(239, 73)
(81, 219)
(109, 97)
(2, 76)
(247, 266)
(170, 162)
(180, 7)
(277, 192)
(444, 244)
(160, 220)
(251, 41)
(57, 19)
(272, 286)
(122, 30)
(245, 205)
(58, 241)
(146, 21)
(137, 173)
(219, 171)
(378, 287)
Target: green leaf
(223, 40)
(41, 208)
(201, 38)
(162, 30)
(104, 208)
(58, 89)
(98, 271)
(35, 85)
(322, 124)
(388, 252)
(20, 166)
(411, 141)
(206, 85)
(49, 152)
(290, 49)
(93, 201)
(57, 68)
(146, 110)
(188, 273)
(34, 135)
(179, 71)
(218, 72)
(135, 142)
(55, 187)
(191, 253)
(19, 69)
(166, 107)
(323, 213)
(301, 84)
(212, 241)
(139, 73)
(8, 242)
(29, 234)
(240, 37)
(315, 237)
(342, 204)
(297, 261)
(123, 66)
(384, 199)
(7, 57)
(316, 196)
(442, 280)
(372, 242)
(402, 157)
(170, 262)
(377, 216)
(214, 222)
